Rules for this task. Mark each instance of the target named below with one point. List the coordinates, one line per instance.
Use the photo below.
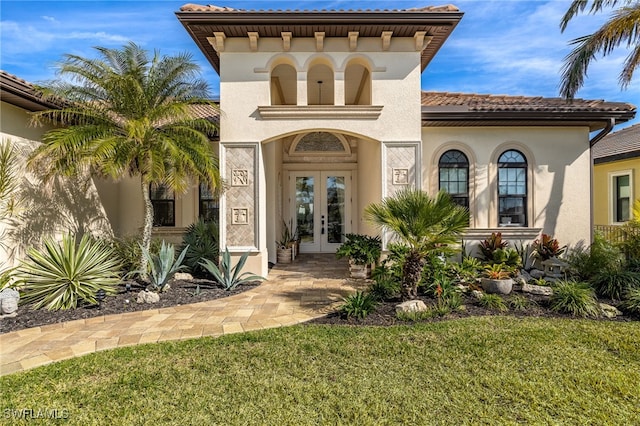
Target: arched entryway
(317, 184)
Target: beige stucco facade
(44, 210)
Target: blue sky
(500, 47)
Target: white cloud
(50, 19)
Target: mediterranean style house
(322, 113)
(616, 176)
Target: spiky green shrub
(574, 297)
(229, 276)
(162, 266)
(61, 274)
(493, 302)
(614, 283)
(508, 256)
(129, 252)
(632, 301)
(201, 239)
(358, 305)
(468, 270)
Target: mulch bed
(181, 293)
(385, 312)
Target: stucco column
(401, 166)
(239, 212)
(302, 88)
(338, 95)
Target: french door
(321, 208)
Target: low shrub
(614, 283)
(230, 276)
(385, 287)
(493, 302)
(491, 244)
(631, 301)
(201, 241)
(468, 270)
(601, 255)
(358, 305)
(575, 298)
(520, 303)
(62, 274)
(129, 253)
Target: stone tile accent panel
(241, 197)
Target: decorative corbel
(217, 41)
(353, 40)
(319, 41)
(386, 39)
(286, 41)
(253, 40)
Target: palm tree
(129, 114)
(426, 224)
(623, 27)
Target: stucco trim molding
(331, 112)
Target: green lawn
(490, 370)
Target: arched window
(453, 171)
(512, 189)
(320, 86)
(284, 85)
(357, 82)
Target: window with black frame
(512, 189)
(163, 200)
(453, 171)
(208, 206)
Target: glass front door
(321, 206)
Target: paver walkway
(308, 288)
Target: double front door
(321, 208)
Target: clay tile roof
(486, 103)
(191, 7)
(23, 94)
(622, 144)
(205, 111)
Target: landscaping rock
(477, 294)
(148, 297)
(9, 299)
(609, 311)
(411, 306)
(540, 290)
(182, 276)
(536, 274)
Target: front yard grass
(489, 370)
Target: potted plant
(363, 251)
(284, 251)
(497, 279)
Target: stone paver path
(310, 287)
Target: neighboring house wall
(64, 205)
(604, 175)
(558, 198)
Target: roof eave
(23, 95)
(594, 119)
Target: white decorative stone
(609, 311)
(411, 306)
(539, 290)
(182, 276)
(477, 294)
(148, 297)
(9, 299)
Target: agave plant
(61, 274)
(227, 275)
(163, 266)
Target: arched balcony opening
(284, 85)
(357, 82)
(320, 85)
